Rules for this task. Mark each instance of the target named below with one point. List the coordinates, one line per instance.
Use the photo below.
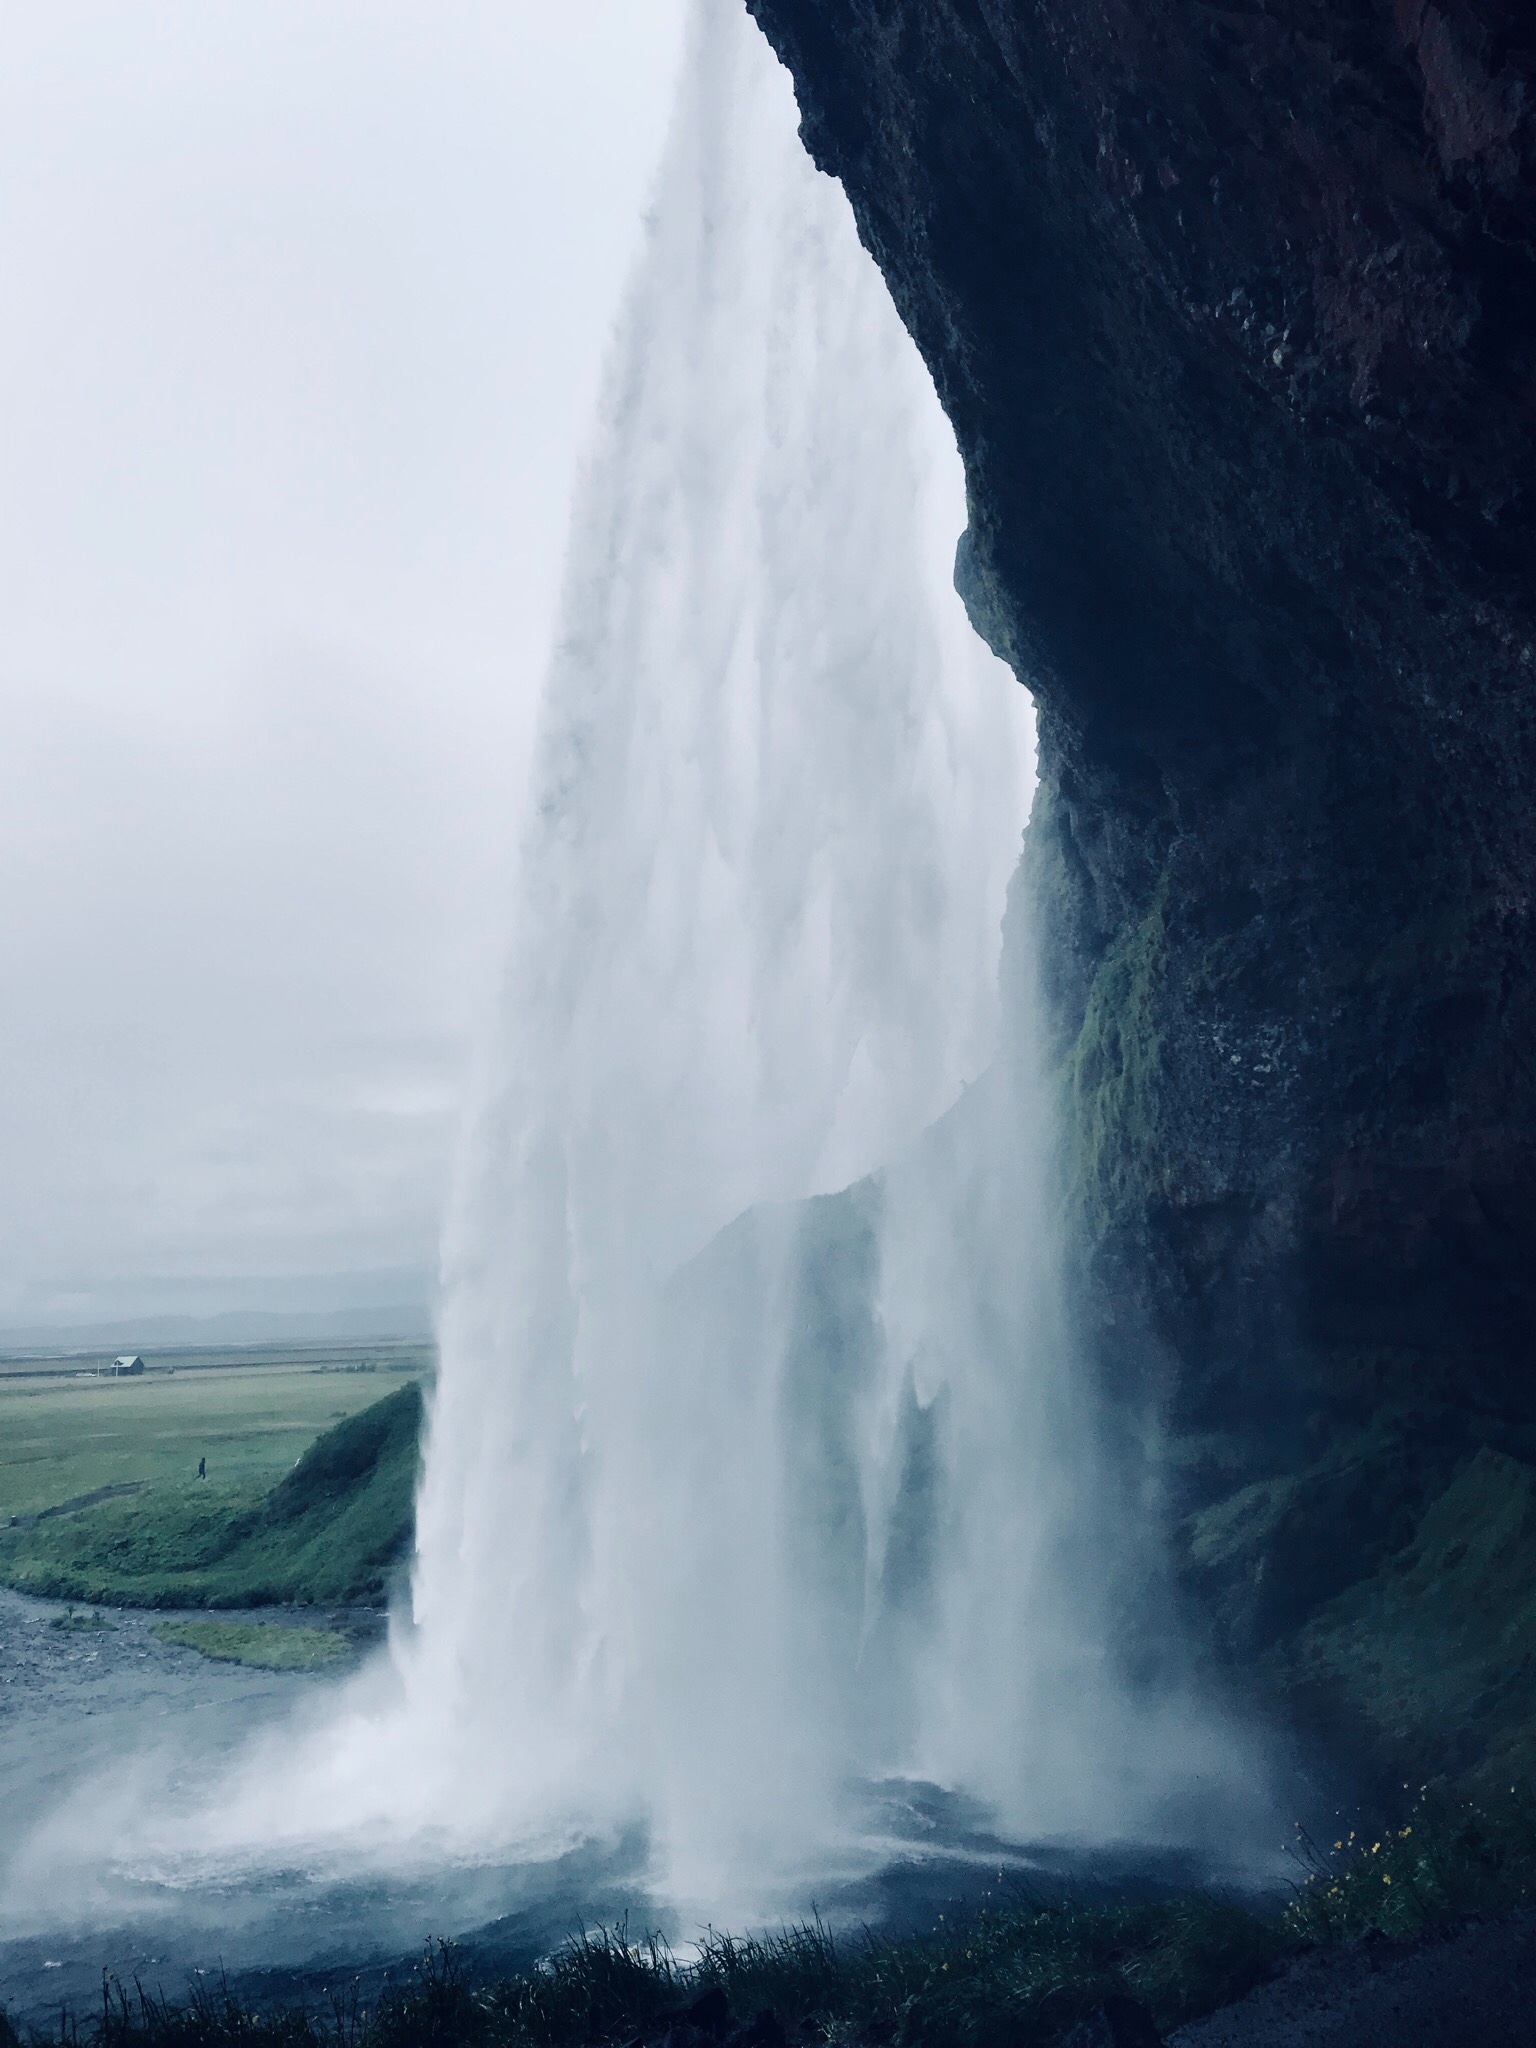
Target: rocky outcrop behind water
(1233, 309)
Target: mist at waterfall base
(760, 1497)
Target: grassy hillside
(330, 1532)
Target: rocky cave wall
(1233, 309)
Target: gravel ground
(1474, 1987)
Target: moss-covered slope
(1427, 1667)
(332, 1532)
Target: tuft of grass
(1444, 1859)
(265, 1646)
(1021, 1973)
(600, 1986)
(327, 1534)
(86, 1622)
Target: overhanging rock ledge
(1233, 309)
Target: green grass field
(264, 1645)
(64, 1435)
(308, 1499)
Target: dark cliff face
(1233, 309)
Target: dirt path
(1472, 1988)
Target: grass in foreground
(262, 1645)
(329, 1533)
(1018, 1975)
(1445, 1858)
(1012, 1978)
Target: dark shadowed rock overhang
(1233, 309)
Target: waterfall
(779, 791)
(758, 1473)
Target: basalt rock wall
(1233, 309)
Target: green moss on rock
(1112, 1082)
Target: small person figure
(202, 1468)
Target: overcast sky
(302, 305)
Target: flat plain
(66, 1434)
